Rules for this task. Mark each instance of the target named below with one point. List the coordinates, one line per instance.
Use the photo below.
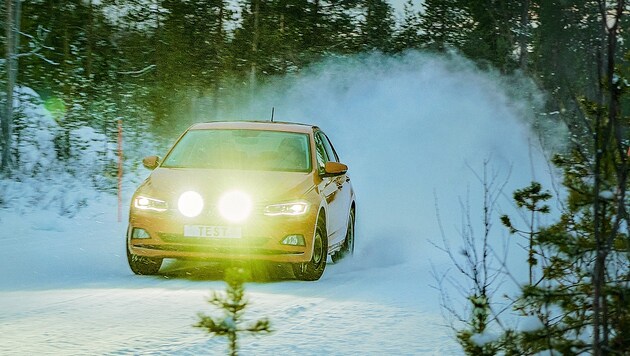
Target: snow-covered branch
(36, 44)
(140, 72)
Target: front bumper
(261, 238)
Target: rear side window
(330, 150)
(322, 155)
(325, 151)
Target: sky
(399, 5)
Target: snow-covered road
(66, 290)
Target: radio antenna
(273, 109)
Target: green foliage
(530, 197)
(558, 290)
(445, 24)
(471, 347)
(620, 316)
(408, 35)
(377, 27)
(562, 296)
(189, 55)
(179, 61)
(233, 304)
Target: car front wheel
(313, 270)
(143, 265)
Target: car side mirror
(332, 169)
(151, 162)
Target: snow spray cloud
(411, 128)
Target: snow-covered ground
(412, 129)
(66, 290)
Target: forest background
(160, 65)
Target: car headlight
(235, 206)
(292, 208)
(146, 203)
(190, 204)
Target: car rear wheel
(313, 270)
(347, 249)
(143, 265)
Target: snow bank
(35, 134)
(46, 178)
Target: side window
(330, 150)
(322, 156)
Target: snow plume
(412, 128)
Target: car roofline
(256, 125)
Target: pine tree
(491, 38)
(377, 26)
(340, 26)
(408, 35)
(444, 24)
(233, 304)
(531, 199)
(195, 33)
(249, 46)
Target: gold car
(264, 191)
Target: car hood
(262, 186)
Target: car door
(335, 189)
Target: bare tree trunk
(610, 132)
(254, 69)
(89, 41)
(524, 35)
(8, 114)
(218, 63)
(13, 11)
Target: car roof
(255, 125)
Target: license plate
(216, 232)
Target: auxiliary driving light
(235, 206)
(190, 204)
(294, 240)
(140, 234)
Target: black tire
(142, 265)
(313, 269)
(347, 249)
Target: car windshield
(241, 149)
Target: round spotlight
(190, 204)
(235, 206)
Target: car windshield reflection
(241, 150)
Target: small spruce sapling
(531, 198)
(233, 304)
